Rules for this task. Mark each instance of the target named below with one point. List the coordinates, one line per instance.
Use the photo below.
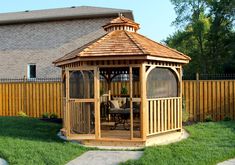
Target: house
(31, 40)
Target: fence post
(198, 97)
(24, 95)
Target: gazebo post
(67, 112)
(180, 94)
(131, 102)
(109, 85)
(143, 115)
(97, 103)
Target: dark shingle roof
(61, 13)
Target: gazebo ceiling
(123, 40)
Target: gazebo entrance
(120, 102)
(82, 91)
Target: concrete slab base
(167, 138)
(228, 162)
(3, 162)
(105, 157)
(160, 139)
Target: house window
(31, 71)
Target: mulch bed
(58, 121)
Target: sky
(154, 16)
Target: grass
(31, 141)
(208, 144)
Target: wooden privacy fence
(32, 97)
(204, 98)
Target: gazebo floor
(119, 134)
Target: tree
(205, 33)
(221, 36)
(191, 17)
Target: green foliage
(101, 91)
(32, 141)
(53, 116)
(185, 114)
(22, 114)
(206, 34)
(124, 90)
(208, 143)
(45, 115)
(227, 118)
(208, 118)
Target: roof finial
(121, 23)
(120, 15)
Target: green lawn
(27, 141)
(31, 141)
(208, 144)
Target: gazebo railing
(164, 114)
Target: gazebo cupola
(122, 89)
(121, 23)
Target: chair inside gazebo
(117, 92)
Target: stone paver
(228, 162)
(3, 162)
(105, 157)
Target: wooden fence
(33, 98)
(204, 98)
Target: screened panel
(81, 84)
(82, 118)
(162, 82)
(64, 86)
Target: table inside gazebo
(121, 116)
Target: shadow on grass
(29, 129)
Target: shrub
(227, 118)
(53, 116)
(101, 91)
(45, 115)
(185, 114)
(22, 114)
(124, 90)
(208, 118)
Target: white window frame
(28, 71)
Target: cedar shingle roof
(123, 43)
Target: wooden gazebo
(122, 88)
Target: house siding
(42, 43)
